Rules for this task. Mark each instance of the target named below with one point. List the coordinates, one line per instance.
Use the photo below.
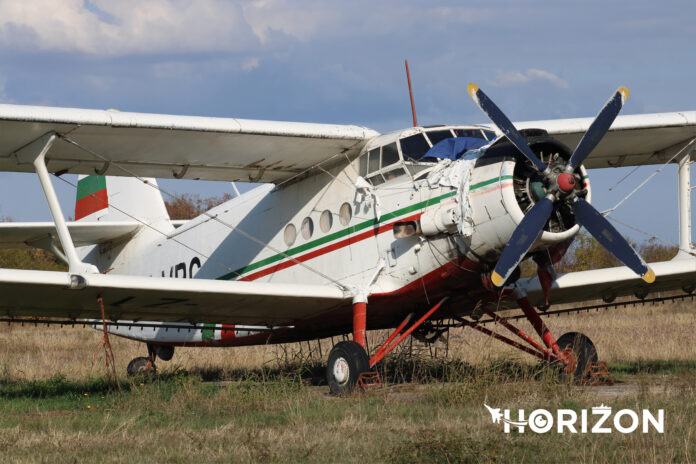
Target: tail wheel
(164, 352)
(583, 353)
(347, 360)
(140, 366)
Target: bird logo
(498, 416)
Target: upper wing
(58, 294)
(612, 282)
(631, 141)
(17, 234)
(152, 145)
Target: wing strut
(684, 186)
(35, 153)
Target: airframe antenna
(410, 93)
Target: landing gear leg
(347, 360)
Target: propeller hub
(566, 182)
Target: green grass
(179, 418)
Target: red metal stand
(550, 353)
(599, 374)
(368, 380)
(389, 345)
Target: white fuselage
(334, 228)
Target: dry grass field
(54, 407)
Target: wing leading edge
(632, 140)
(48, 293)
(612, 282)
(166, 146)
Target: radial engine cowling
(504, 186)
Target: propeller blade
(609, 237)
(521, 241)
(598, 128)
(504, 124)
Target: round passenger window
(307, 228)
(325, 221)
(345, 214)
(290, 234)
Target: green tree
(190, 206)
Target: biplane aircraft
(349, 230)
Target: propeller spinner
(560, 182)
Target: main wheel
(347, 360)
(139, 366)
(583, 351)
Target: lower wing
(60, 294)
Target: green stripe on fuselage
(337, 235)
(351, 230)
(488, 182)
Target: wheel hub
(340, 371)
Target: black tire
(347, 360)
(164, 352)
(138, 366)
(584, 351)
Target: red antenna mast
(410, 93)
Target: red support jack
(519, 346)
(516, 331)
(550, 353)
(538, 325)
(387, 346)
(397, 331)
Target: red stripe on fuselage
(328, 249)
(91, 203)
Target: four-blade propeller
(560, 186)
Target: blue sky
(342, 62)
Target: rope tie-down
(104, 342)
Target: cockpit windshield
(439, 136)
(413, 147)
(392, 160)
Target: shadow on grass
(394, 370)
(53, 387)
(61, 386)
(653, 367)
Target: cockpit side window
(373, 164)
(413, 147)
(362, 170)
(439, 136)
(490, 135)
(390, 155)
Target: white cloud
(123, 27)
(504, 79)
(250, 64)
(126, 26)
(307, 19)
(301, 20)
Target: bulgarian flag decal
(91, 196)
